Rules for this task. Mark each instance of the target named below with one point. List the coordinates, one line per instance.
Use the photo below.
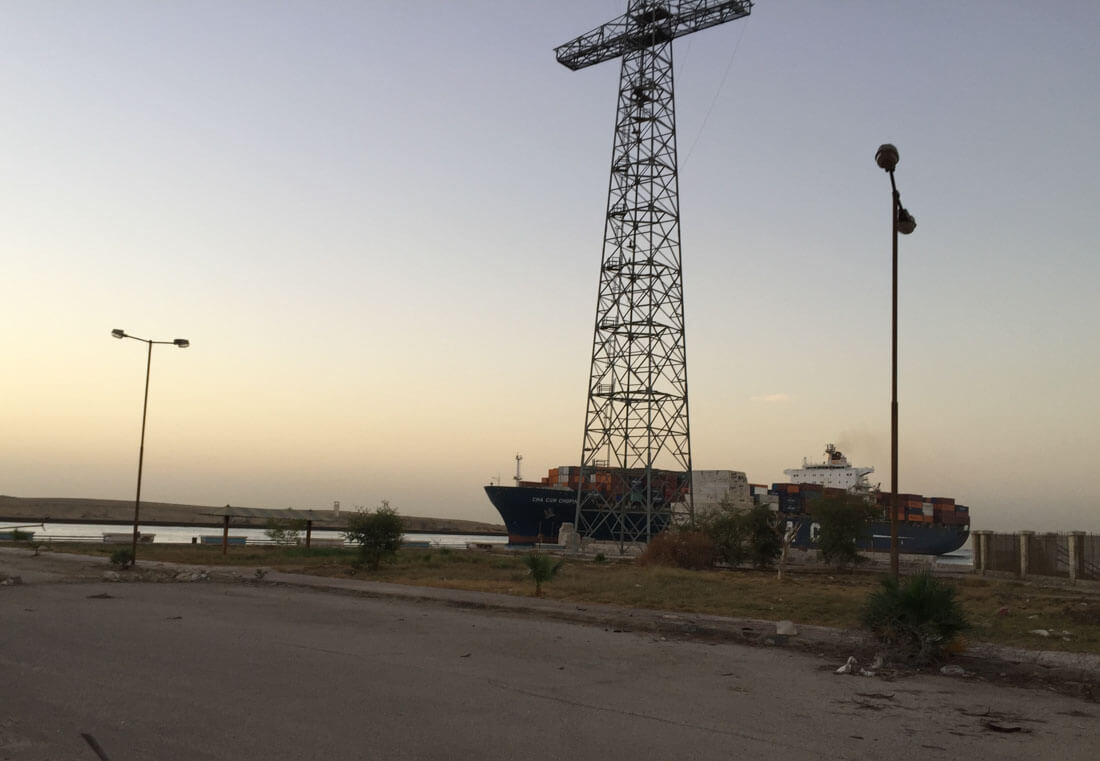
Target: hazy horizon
(380, 226)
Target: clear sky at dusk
(380, 223)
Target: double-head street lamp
(904, 223)
(182, 343)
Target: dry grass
(1001, 611)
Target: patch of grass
(1001, 611)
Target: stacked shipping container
(913, 508)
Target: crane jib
(647, 24)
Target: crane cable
(718, 92)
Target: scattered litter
(953, 670)
(866, 672)
(1040, 632)
(876, 664)
(848, 667)
(11, 581)
(111, 576)
(1003, 611)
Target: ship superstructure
(836, 472)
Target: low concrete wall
(1072, 556)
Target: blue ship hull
(535, 514)
(913, 538)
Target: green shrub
(763, 534)
(122, 558)
(378, 534)
(284, 531)
(741, 536)
(918, 617)
(680, 548)
(726, 530)
(542, 568)
(844, 520)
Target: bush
(744, 536)
(680, 548)
(284, 531)
(844, 520)
(122, 558)
(542, 569)
(726, 530)
(378, 534)
(919, 617)
(762, 532)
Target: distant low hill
(69, 510)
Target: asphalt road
(238, 671)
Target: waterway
(93, 532)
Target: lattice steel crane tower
(637, 417)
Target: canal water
(186, 534)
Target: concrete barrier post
(1025, 541)
(1076, 545)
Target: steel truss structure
(637, 415)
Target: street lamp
(182, 343)
(904, 222)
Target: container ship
(926, 525)
(534, 511)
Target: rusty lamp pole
(182, 343)
(903, 222)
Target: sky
(380, 224)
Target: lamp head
(182, 343)
(887, 157)
(118, 333)
(907, 223)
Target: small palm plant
(919, 616)
(542, 568)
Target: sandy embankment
(70, 510)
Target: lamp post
(182, 343)
(904, 222)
